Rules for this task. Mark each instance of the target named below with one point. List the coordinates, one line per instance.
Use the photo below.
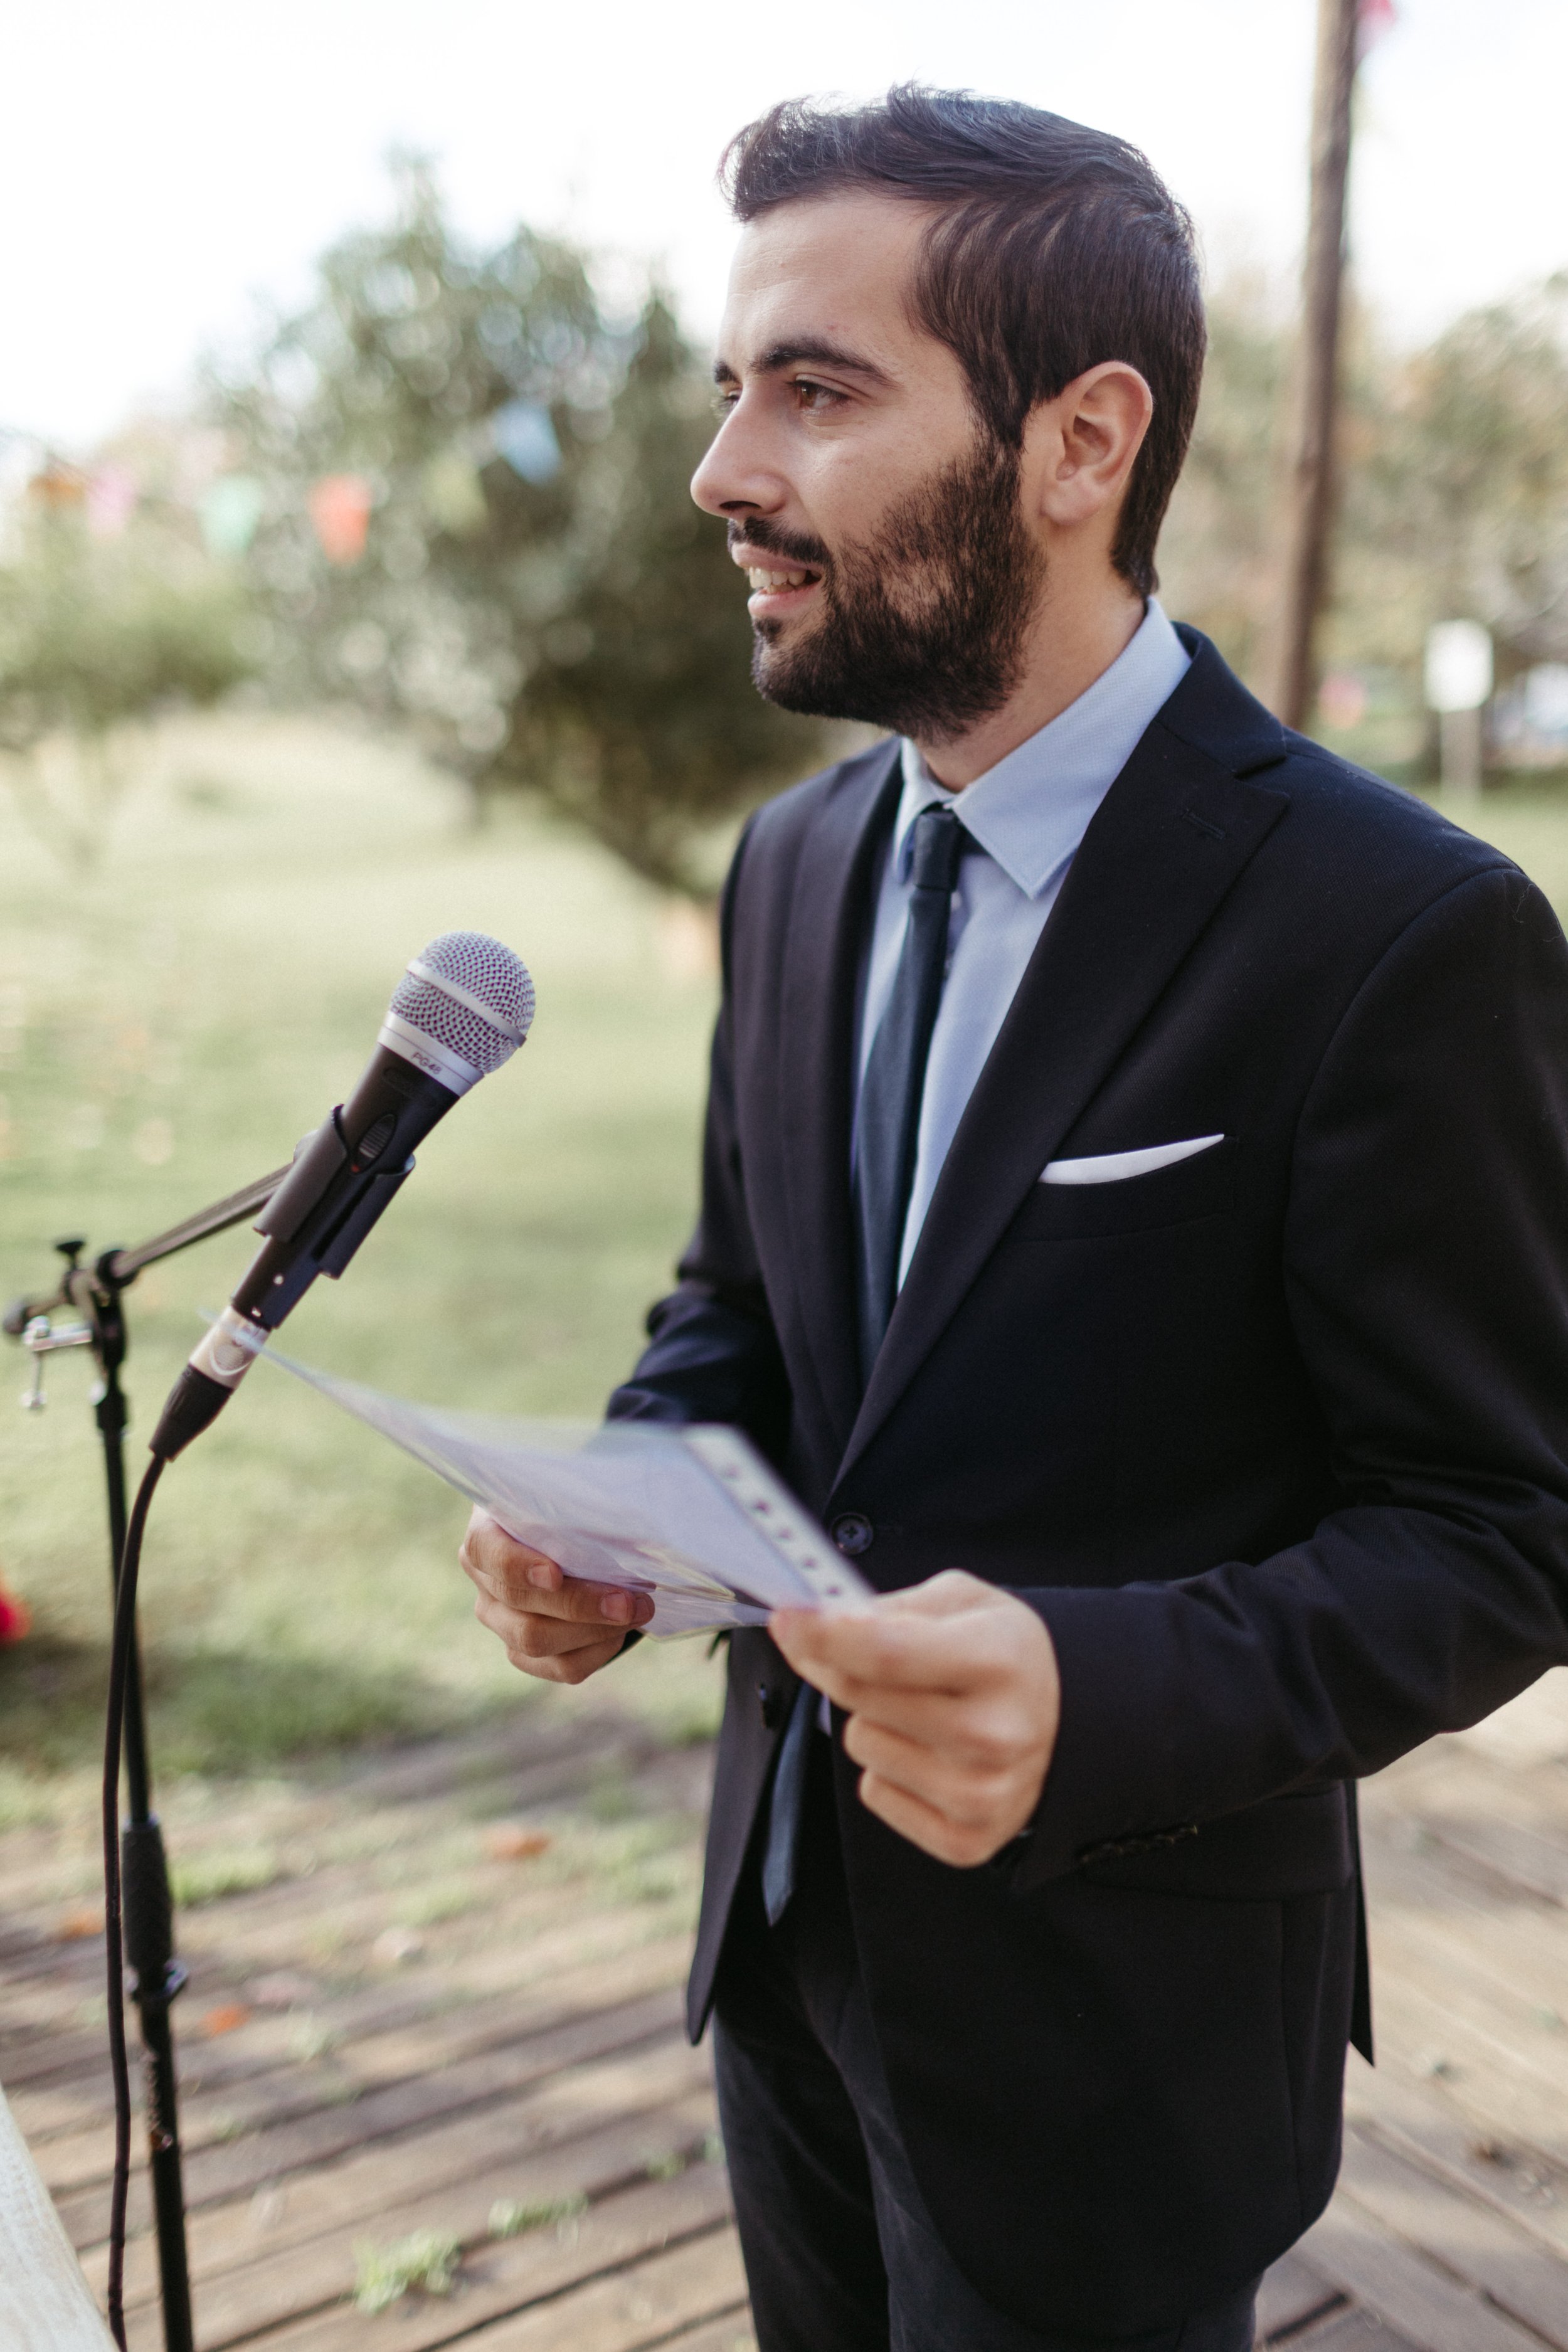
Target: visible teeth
(768, 581)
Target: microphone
(462, 1008)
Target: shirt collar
(1032, 809)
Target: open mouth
(776, 594)
(779, 587)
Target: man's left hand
(954, 1700)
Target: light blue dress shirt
(1027, 814)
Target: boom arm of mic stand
(117, 1267)
(120, 1266)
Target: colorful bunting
(524, 435)
(1374, 18)
(229, 511)
(57, 488)
(340, 508)
(112, 497)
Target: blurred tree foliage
(1454, 486)
(97, 635)
(1215, 552)
(1462, 495)
(536, 595)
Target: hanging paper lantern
(340, 508)
(111, 499)
(524, 435)
(229, 512)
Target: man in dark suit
(1135, 1217)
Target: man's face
(893, 578)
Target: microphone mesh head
(486, 971)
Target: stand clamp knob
(41, 1339)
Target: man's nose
(736, 476)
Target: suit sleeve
(1426, 1265)
(713, 1354)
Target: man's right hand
(556, 1626)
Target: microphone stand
(95, 1292)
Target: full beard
(922, 629)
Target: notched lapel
(1168, 841)
(827, 920)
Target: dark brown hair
(1054, 247)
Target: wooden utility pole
(1311, 502)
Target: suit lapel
(828, 911)
(1168, 841)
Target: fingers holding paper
(954, 1700)
(558, 1628)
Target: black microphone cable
(114, 1727)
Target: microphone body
(443, 1033)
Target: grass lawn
(170, 1022)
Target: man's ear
(1078, 448)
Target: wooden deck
(410, 2013)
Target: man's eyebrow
(811, 350)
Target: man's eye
(813, 395)
(723, 402)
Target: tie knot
(937, 843)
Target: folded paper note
(693, 1515)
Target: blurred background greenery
(168, 1022)
(405, 624)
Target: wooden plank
(733, 2334)
(1463, 1785)
(310, 2103)
(1507, 1953)
(1427, 1894)
(256, 2075)
(637, 2268)
(353, 1867)
(1292, 2295)
(657, 2101)
(1435, 2310)
(1471, 2240)
(284, 2284)
(1517, 1857)
(1496, 2088)
(641, 2306)
(74, 2160)
(1427, 2131)
(1352, 2331)
(229, 2169)
(286, 2207)
(324, 1836)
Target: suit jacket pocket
(1289, 1845)
(1203, 1186)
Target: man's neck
(1073, 640)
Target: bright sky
(165, 166)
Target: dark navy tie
(886, 1133)
(887, 1130)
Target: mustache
(772, 539)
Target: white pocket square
(1114, 1167)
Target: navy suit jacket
(1274, 1438)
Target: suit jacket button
(853, 1533)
